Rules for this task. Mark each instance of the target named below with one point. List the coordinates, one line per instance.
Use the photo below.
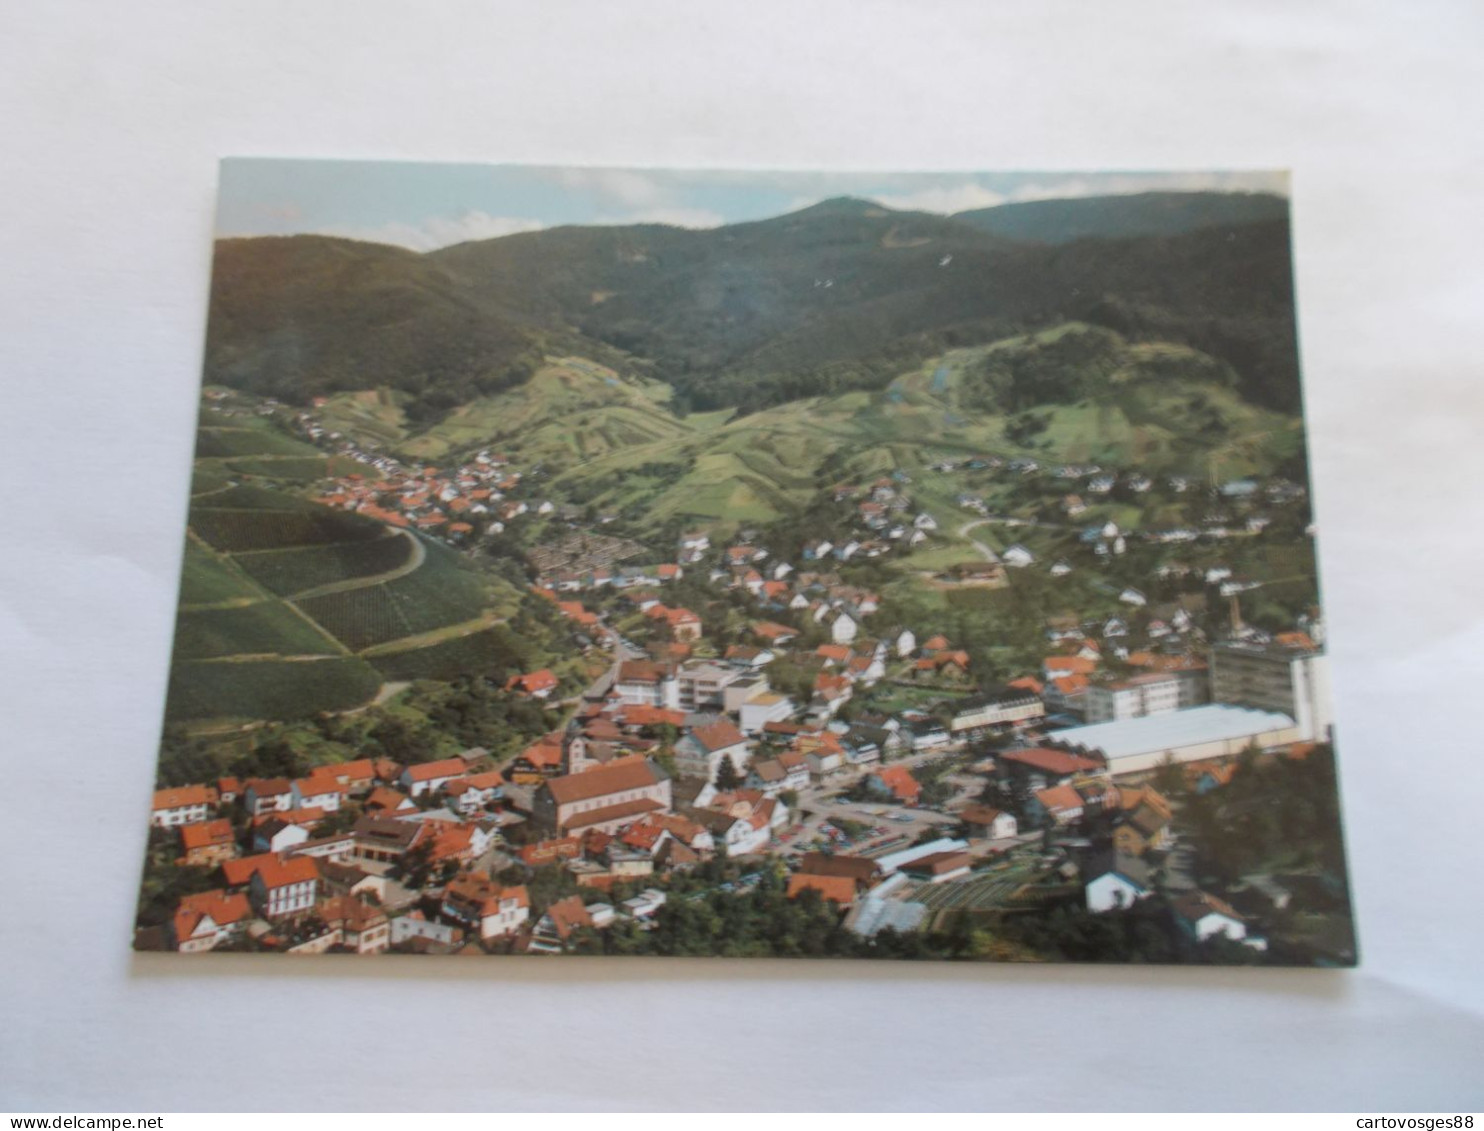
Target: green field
(206, 579)
(495, 652)
(980, 891)
(444, 590)
(1160, 408)
(207, 480)
(358, 618)
(570, 411)
(261, 547)
(264, 628)
(286, 572)
(261, 440)
(235, 530)
(267, 689)
(290, 469)
(612, 442)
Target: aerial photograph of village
(742, 564)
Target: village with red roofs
(731, 729)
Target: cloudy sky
(426, 206)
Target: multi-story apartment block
(1291, 678)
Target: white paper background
(114, 116)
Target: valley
(884, 583)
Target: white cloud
(626, 187)
(1116, 184)
(679, 217)
(944, 199)
(439, 231)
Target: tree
(727, 777)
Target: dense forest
(842, 295)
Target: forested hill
(845, 294)
(297, 316)
(1121, 217)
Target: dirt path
(963, 532)
(414, 560)
(229, 603)
(259, 657)
(436, 636)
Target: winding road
(963, 532)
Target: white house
(268, 795)
(989, 823)
(844, 627)
(700, 752)
(430, 776)
(183, 806)
(645, 904)
(418, 926)
(281, 888)
(1116, 882)
(1017, 557)
(316, 793)
(769, 707)
(482, 904)
(1204, 916)
(277, 835)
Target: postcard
(854, 565)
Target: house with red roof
(575, 611)
(278, 832)
(939, 867)
(267, 795)
(1041, 767)
(386, 801)
(774, 633)
(556, 927)
(1204, 916)
(430, 776)
(684, 625)
(355, 778)
(743, 820)
(537, 684)
(1061, 805)
(839, 890)
(895, 782)
(700, 751)
(361, 927)
(608, 798)
(279, 888)
(543, 759)
(207, 920)
(545, 852)
(475, 792)
(988, 822)
(317, 791)
(207, 843)
(833, 655)
(488, 908)
(184, 805)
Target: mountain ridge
(843, 294)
